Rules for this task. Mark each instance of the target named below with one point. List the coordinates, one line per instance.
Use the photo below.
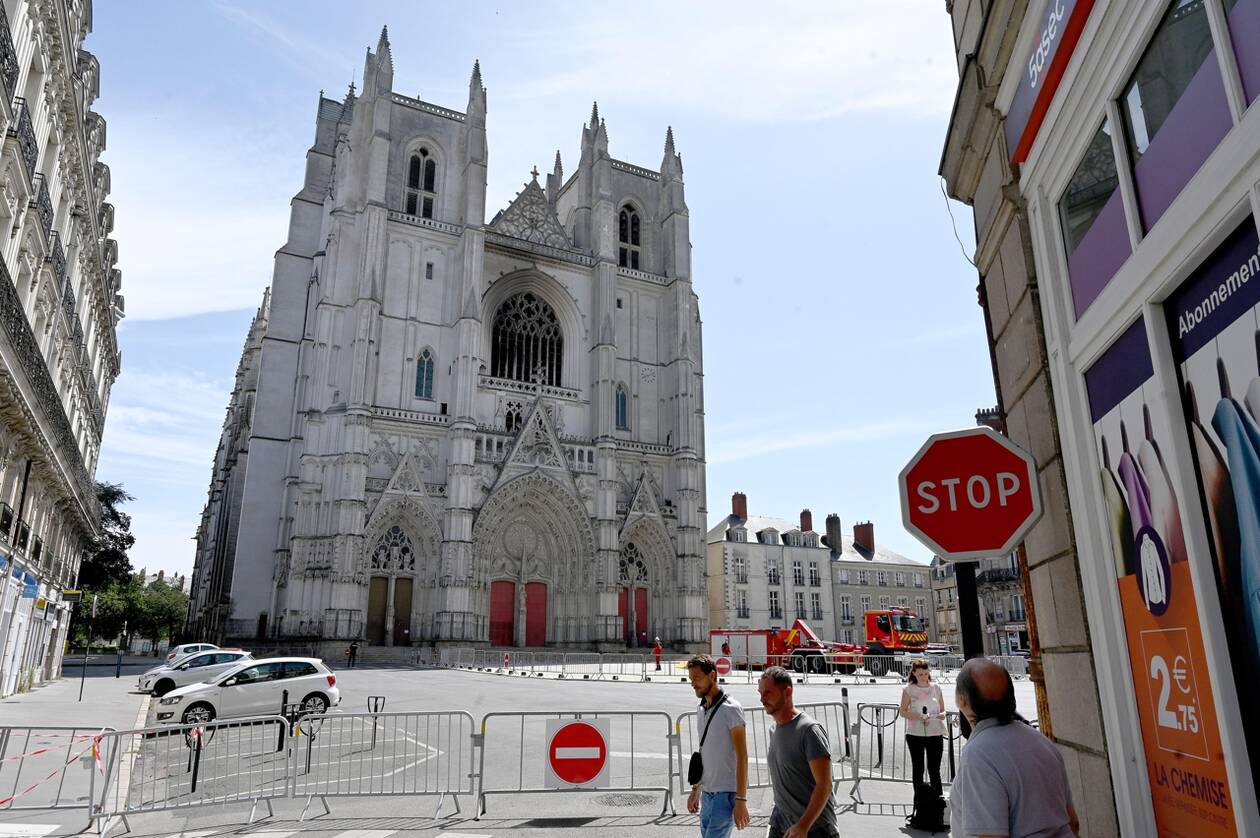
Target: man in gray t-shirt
(799, 759)
(1011, 780)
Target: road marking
(28, 830)
(460, 835)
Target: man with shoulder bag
(718, 770)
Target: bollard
(118, 667)
(848, 753)
(376, 704)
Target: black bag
(695, 767)
(929, 811)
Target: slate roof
(848, 552)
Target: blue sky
(841, 324)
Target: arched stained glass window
(393, 551)
(628, 238)
(631, 567)
(421, 192)
(623, 408)
(526, 342)
(424, 375)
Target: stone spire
(595, 115)
(476, 92)
(669, 140)
(554, 180)
(474, 83)
(671, 163)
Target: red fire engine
(889, 632)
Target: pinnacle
(476, 73)
(595, 115)
(669, 140)
(383, 43)
(558, 167)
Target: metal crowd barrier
(640, 754)
(584, 665)
(880, 751)
(181, 766)
(51, 767)
(358, 754)
(1017, 665)
(833, 716)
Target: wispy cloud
(737, 448)
(309, 55)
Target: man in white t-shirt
(721, 796)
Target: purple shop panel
(1188, 136)
(1099, 255)
(1244, 31)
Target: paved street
(110, 702)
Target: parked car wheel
(163, 686)
(315, 703)
(198, 714)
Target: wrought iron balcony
(67, 302)
(31, 362)
(24, 133)
(991, 577)
(8, 56)
(42, 204)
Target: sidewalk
(107, 702)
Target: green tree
(162, 610)
(107, 561)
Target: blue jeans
(717, 813)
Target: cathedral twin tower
(451, 431)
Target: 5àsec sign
(970, 494)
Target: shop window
(1174, 108)
(1243, 17)
(1092, 215)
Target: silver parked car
(252, 688)
(191, 669)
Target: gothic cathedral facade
(452, 431)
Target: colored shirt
(792, 747)
(717, 752)
(920, 697)
(1011, 781)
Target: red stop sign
(970, 494)
(577, 753)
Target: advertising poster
(1176, 708)
(1214, 325)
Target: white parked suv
(187, 649)
(190, 669)
(254, 688)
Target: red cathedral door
(502, 613)
(639, 628)
(535, 614)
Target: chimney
(864, 536)
(834, 540)
(807, 520)
(991, 417)
(739, 506)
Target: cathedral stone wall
(464, 430)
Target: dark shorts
(816, 832)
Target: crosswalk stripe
(26, 830)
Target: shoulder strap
(712, 712)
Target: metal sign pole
(87, 647)
(969, 610)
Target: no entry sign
(577, 754)
(723, 666)
(970, 494)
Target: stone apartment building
(945, 604)
(767, 572)
(60, 303)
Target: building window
(421, 184)
(428, 270)
(741, 604)
(844, 576)
(865, 602)
(918, 580)
(901, 580)
(884, 602)
(769, 537)
(424, 375)
(815, 604)
(512, 418)
(741, 570)
(623, 409)
(814, 579)
(846, 607)
(862, 577)
(776, 611)
(737, 535)
(526, 343)
(881, 578)
(1089, 190)
(798, 575)
(800, 605)
(628, 238)
(1017, 608)
(903, 602)
(772, 573)
(920, 605)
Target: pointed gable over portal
(530, 218)
(537, 447)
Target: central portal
(504, 611)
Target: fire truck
(891, 635)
